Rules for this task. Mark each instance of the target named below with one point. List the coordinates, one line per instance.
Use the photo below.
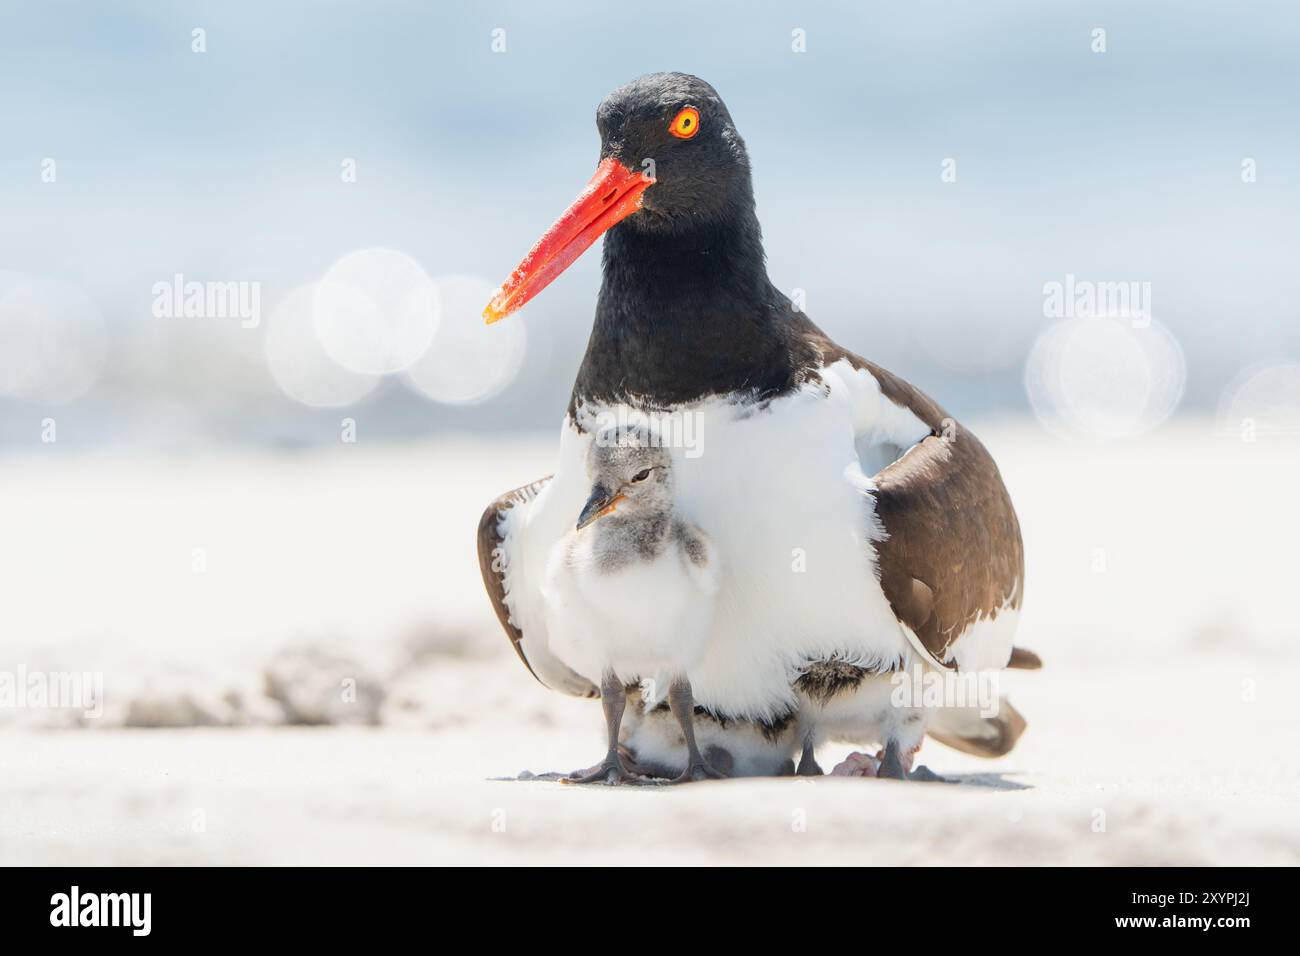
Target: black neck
(684, 315)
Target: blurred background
(452, 135)
(249, 412)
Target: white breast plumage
(781, 490)
(648, 620)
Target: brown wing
(953, 552)
(953, 538)
(489, 563)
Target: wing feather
(953, 552)
(492, 564)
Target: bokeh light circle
(298, 361)
(1263, 400)
(1104, 377)
(469, 361)
(376, 311)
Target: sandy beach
(1157, 730)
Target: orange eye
(686, 123)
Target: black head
(674, 128)
(671, 162)
(686, 308)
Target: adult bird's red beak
(613, 194)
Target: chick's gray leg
(611, 770)
(682, 703)
(808, 766)
(895, 765)
(891, 763)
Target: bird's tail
(1024, 659)
(967, 729)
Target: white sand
(1162, 730)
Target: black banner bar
(334, 906)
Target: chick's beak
(601, 503)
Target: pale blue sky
(1115, 166)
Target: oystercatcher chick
(629, 593)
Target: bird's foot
(609, 771)
(925, 775)
(865, 765)
(808, 767)
(697, 770)
(857, 765)
(894, 764)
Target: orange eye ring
(686, 123)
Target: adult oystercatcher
(859, 528)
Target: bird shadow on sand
(988, 781)
(973, 781)
(528, 776)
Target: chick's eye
(641, 475)
(686, 123)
